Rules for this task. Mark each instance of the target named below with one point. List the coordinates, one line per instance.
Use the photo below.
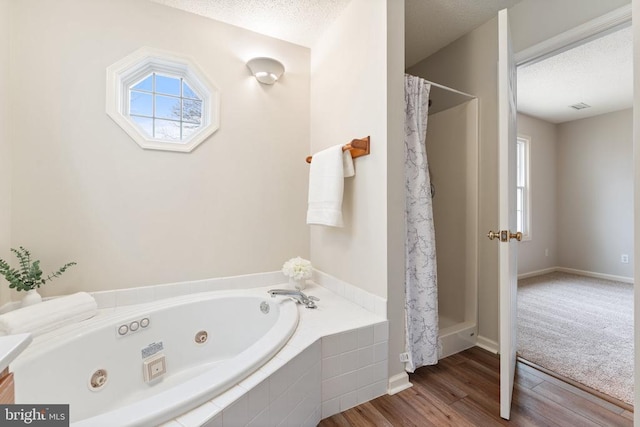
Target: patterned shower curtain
(421, 291)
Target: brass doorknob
(502, 235)
(493, 235)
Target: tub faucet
(296, 295)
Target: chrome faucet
(296, 295)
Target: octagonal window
(162, 101)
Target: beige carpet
(581, 328)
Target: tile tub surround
(336, 359)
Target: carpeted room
(580, 328)
(580, 325)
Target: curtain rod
(449, 89)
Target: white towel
(49, 315)
(326, 185)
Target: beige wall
(543, 182)
(447, 148)
(395, 186)
(581, 183)
(84, 191)
(349, 100)
(595, 193)
(469, 65)
(5, 148)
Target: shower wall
(452, 155)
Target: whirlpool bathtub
(143, 365)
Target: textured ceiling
(598, 73)
(429, 24)
(297, 21)
(432, 24)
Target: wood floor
(463, 390)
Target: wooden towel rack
(357, 147)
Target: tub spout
(296, 295)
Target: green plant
(29, 275)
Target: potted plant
(28, 277)
(298, 270)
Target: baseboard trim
(487, 344)
(399, 382)
(537, 272)
(595, 275)
(585, 273)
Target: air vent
(580, 106)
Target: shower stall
(452, 150)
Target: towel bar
(357, 147)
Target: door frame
(607, 23)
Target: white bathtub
(57, 367)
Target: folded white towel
(49, 315)
(326, 185)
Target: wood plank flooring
(463, 390)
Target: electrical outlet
(624, 258)
(546, 252)
(404, 357)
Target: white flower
(297, 268)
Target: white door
(507, 135)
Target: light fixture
(266, 70)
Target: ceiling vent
(580, 106)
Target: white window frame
(525, 187)
(144, 61)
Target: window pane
(168, 85)
(140, 103)
(146, 124)
(188, 129)
(191, 111)
(167, 107)
(519, 199)
(167, 129)
(146, 84)
(187, 92)
(521, 164)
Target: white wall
(5, 148)
(469, 65)
(636, 198)
(349, 100)
(543, 182)
(357, 72)
(395, 189)
(595, 193)
(84, 191)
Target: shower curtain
(421, 292)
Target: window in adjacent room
(523, 197)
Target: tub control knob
(122, 330)
(144, 322)
(133, 326)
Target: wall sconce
(266, 70)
